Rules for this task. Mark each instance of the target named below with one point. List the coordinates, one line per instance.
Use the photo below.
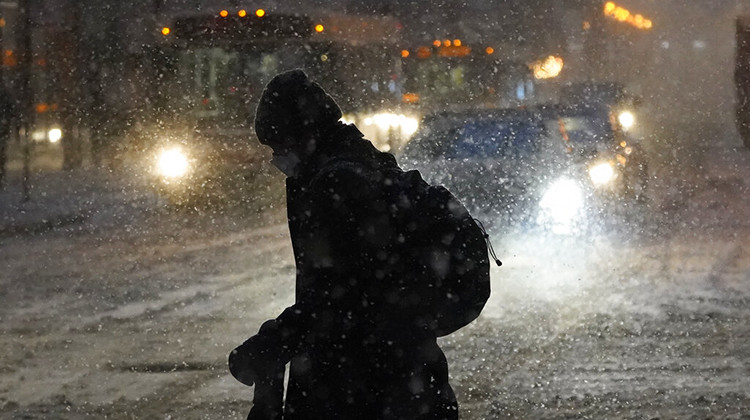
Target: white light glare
(38, 135)
(348, 119)
(601, 173)
(54, 135)
(172, 163)
(386, 121)
(561, 203)
(627, 120)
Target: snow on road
(114, 306)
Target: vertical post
(73, 110)
(4, 137)
(26, 99)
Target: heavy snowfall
(116, 305)
(119, 300)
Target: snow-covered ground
(114, 306)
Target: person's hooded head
(294, 113)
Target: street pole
(6, 131)
(26, 99)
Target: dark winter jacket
(355, 351)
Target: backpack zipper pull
(489, 243)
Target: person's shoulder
(342, 169)
(348, 177)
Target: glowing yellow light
(489, 50)
(548, 68)
(319, 28)
(348, 119)
(387, 121)
(223, 13)
(624, 15)
(404, 53)
(172, 163)
(242, 13)
(165, 31)
(437, 43)
(260, 13)
(447, 42)
(457, 42)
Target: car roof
(537, 114)
(450, 118)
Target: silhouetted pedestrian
(360, 341)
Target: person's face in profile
(286, 161)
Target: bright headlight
(563, 198)
(561, 205)
(54, 135)
(172, 163)
(386, 121)
(601, 173)
(626, 119)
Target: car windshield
(486, 139)
(583, 130)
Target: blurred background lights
(548, 68)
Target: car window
(496, 139)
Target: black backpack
(445, 251)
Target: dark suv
(556, 166)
